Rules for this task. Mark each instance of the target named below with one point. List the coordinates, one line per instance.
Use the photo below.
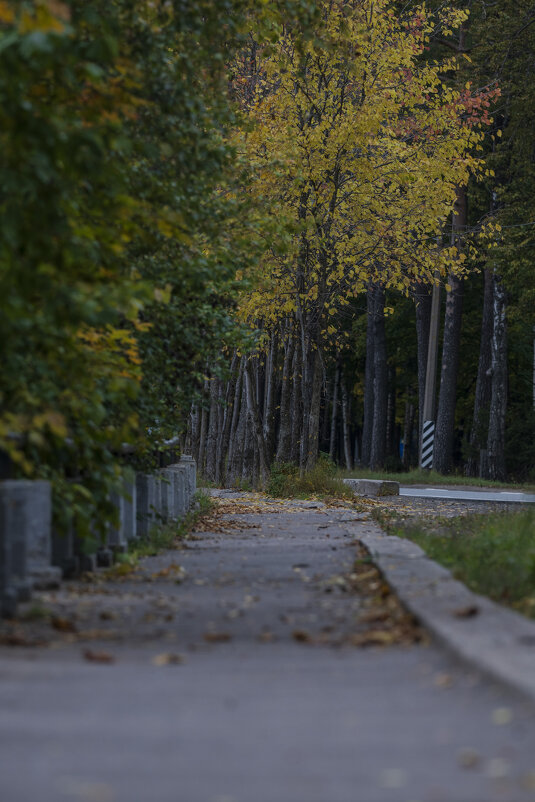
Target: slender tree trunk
(367, 427)
(391, 434)
(203, 432)
(223, 443)
(212, 435)
(234, 457)
(445, 423)
(296, 405)
(269, 396)
(284, 445)
(345, 427)
(334, 411)
(479, 427)
(422, 301)
(256, 422)
(380, 384)
(314, 413)
(498, 402)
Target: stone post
(191, 480)
(39, 521)
(15, 517)
(177, 475)
(147, 503)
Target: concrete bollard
(166, 495)
(147, 503)
(116, 538)
(42, 573)
(177, 476)
(15, 518)
(129, 509)
(191, 480)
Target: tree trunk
(296, 414)
(345, 427)
(256, 422)
(269, 395)
(314, 413)
(203, 432)
(479, 427)
(334, 411)
(498, 402)
(380, 384)
(367, 426)
(284, 446)
(445, 422)
(422, 300)
(231, 401)
(212, 436)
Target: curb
(494, 639)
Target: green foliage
(121, 229)
(494, 555)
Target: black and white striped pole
(428, 428)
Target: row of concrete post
(33, 555)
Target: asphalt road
(468, 494)
(241, 684)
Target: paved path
(243, 683)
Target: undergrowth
(493, 554)
(285, 481)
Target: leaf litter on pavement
(104, 611)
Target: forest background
(221, 221)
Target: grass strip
(493, 554)
(420, 476)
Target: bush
(285, 481)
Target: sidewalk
(242, 668)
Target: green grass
(419, 476)
(162, 537)
(285, 481)
(493, 554)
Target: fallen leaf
(98, 657)
(469, 758)
(167, 659)
(375, 637)
(443, 680)
(62, 624)
(469, 611)
(217, 637)
(301, 636)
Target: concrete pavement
(241, 683)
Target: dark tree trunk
(334, 411)
(445, 422)
(380, 383)
(284, 446)
(231, 401)
(313, 428)
(479, 429)
(345, 427)
(256, 422)
(498, 402)
(203, 433)
(422, 301)
(444, 431)
(212, 435)
(269, 395)
(367, 427)
(296, 414)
